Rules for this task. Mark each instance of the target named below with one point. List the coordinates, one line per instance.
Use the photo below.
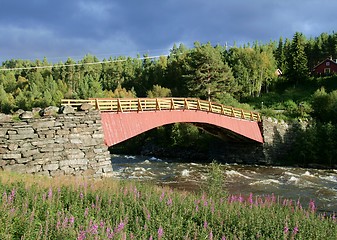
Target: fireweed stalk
(107, 209)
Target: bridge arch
(123, 119)
(118, 127)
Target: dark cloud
(72, 28)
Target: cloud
(58, 29)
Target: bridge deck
(161, 104)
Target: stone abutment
(70, 143)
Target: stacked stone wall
(62, 144)
(279, 137)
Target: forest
(274, 78)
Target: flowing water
(286, 182)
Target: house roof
(324, 61)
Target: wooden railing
(159, 104)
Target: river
(286, 182)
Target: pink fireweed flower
(151, 238)
(250, 199)
(299, 204)
(223, 238)
(72, 220)
(44, 196)
(295, 230)
(65, 222)
(109, 233)
(94, 229)
(286, 229)
(169, 202)
(50, 193)
(125, 191)
(205, 224)
(148, 216)
(101, 224)
(162, 196)
(58, 224)
(12, 196)
(120, 227)
(285, 201)
(160, 232)
(210, 236)
(312, 206)
(232, 198)
(81, 235)
(81, 195)
(86, 212)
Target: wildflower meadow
(33, 207)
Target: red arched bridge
(124, 118)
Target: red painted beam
(118, 127)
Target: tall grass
(77, 208)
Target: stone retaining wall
(279, 137)
(62, 144)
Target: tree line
(205, 71)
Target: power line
(78, 64)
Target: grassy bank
(76, 208)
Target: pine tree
(280, 56)
(207, 75)
(175, 71)
(298, 64)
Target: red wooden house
(326, 67)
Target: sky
(59, 29)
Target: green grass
(76, 208)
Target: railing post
(185, 104)
(198, 105)
(242, 114)
(119, 106)
(251, 116)
(210, 108)
(139, 107)
(157, 105)
(232, 112)
(258, 117)
(97, 104)
(172, 104)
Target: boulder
(49, 111)
(85, 107)
(36, 110)
(18, 112)
(26, 115)
(66, 109)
